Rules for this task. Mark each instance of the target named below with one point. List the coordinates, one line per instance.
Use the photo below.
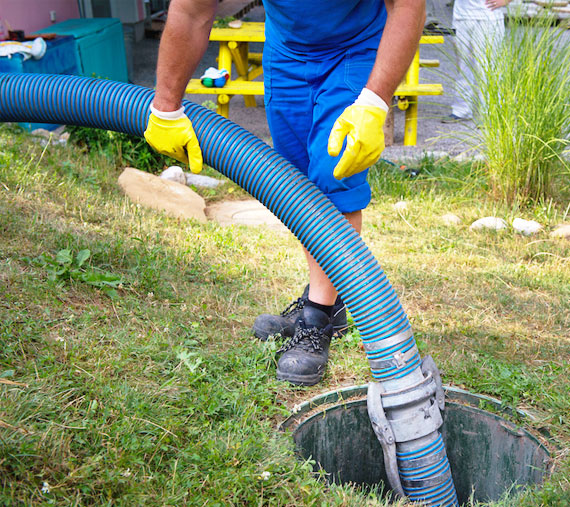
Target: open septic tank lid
(488, 454)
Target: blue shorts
(303, 99)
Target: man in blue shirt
(330, 70)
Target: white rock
(401, 206)
(202, 181)
(450, 219)
(526, 227)
(494, 223)
(174, 173)
(561, 231)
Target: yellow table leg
(413, 73)
(224, 62)
(238, 60)
(249, 100)
(411, 121)
(239, 53)
(225, 58)
(223, 105)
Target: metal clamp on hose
(416, 413)
(383, 430)
(429, 367)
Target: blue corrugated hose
(298, 203)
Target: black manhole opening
(488, 454)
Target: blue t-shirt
(318, 27)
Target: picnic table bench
(234, 49)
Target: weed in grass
(67, 266)
(546, 495)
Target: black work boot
(304, 357)
(267, 325)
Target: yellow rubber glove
(361, 124)
(172, 134)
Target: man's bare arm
(183, 43)
(399, 43)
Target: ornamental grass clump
(523, 111)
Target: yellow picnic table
(234, 49)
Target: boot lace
(293, 307)
(309, 340)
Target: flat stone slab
(247, 212)
(158, 193)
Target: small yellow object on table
(234, 49)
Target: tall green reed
(522, 107)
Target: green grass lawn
(128, 372)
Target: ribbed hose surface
(272, 180)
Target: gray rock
(64, 138)
(161, 194)
(174, 173)
(202, 181)
(56, 136)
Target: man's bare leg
(321, 290)
(321, 293)
(304, 357)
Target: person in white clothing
(479, 28)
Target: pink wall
(31, 15)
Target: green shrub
(122, 149)
(523, 104)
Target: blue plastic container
(60, 58)
(100, 46)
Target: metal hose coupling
(406, 421)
